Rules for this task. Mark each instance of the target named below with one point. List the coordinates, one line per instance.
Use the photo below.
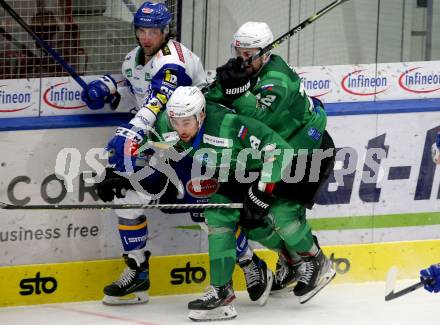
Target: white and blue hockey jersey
(153, 83)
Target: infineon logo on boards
(361, 83)
(61, 97)
(13, 101)
(418, 80)
(315, 87)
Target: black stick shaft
(393, 295)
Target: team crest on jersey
(147, 76)
(129, 73)
(170, 78)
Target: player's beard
(150, 51)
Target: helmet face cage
(235, 53)
(252, 35)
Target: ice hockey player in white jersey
(159, 61)
(153, 70)
(167, 67)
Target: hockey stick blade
(391, 282)
(184, 206)
(44, 44)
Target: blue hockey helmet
(152, 15)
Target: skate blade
(263, 299)
(216, 314)
(326, 278)
(288, 288)
(130, 299)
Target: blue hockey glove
(233, 78)
(100, 92)
(432, 274)
(123, 148)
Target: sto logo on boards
(188, 274)
(38, 285)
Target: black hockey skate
(216, 304)
(132, 286)
(258, 277)
(317, 272)
(286, 275)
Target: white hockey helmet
(253, 35)
(186, 101)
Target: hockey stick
(294, 30)
(391, 283)
(44, 45)
(121, 206)
(286, 36)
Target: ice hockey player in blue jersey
(432, 274)
(431, 277)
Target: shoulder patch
(217, 141)
(267, 87)
(166, 50)
(242, 133)
(314, 134)
(179, 51)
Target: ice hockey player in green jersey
(269, 90)
(276, 95)
(247, 156)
